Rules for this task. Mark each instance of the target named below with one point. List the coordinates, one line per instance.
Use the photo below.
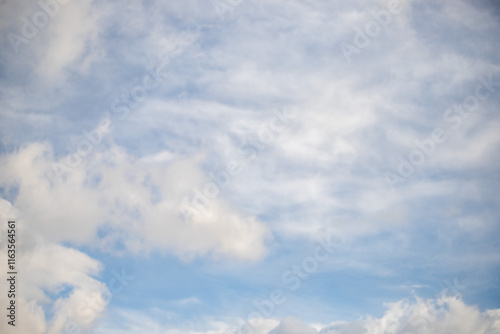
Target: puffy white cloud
(433, 316)
(141, 203)
(56, 288)
(443, 315)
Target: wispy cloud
(432, 66)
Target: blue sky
(274, 167)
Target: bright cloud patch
(130, 201)
(58, 289)
(418, 316)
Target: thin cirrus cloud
(325, 173)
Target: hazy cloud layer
(239, 138)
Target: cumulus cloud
(135, 202)
(57, 287)
(441, 315)
(433, 316)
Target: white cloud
(55, 285)
(137, 202)
(326, 170)
(443, 315)
(71, 39)
(434, 316)
(293, 326)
